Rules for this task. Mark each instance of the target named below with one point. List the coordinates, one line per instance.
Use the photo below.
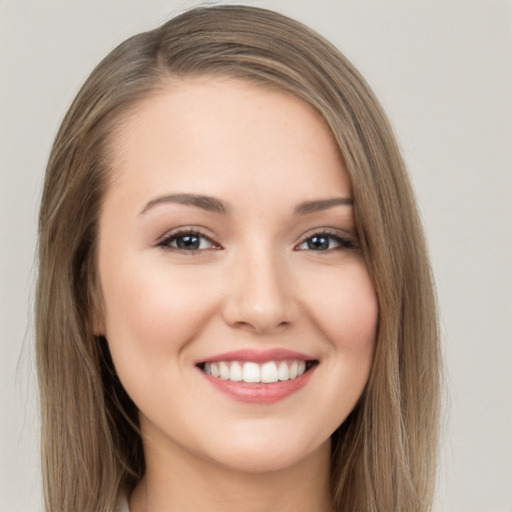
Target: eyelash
(344, 243)
(166, 242)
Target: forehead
(215, 134)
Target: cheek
(347, 315)
(152, 310)
(346, 308)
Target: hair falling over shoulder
(384, 454)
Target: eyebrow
(212, 204)
(208, 203)
(322, 204)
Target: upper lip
(257, 356)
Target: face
(236, 302)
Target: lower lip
(258, 392)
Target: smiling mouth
(252, 372)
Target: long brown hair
(384, 454)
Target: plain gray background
(443, 71)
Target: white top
(122, 506)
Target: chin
(262, 454)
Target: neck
(185, 483)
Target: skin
(254, 283)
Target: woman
(234, 309)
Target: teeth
(252, 372)
(272, 371)
(235, 373)
(269, 372)
(293, 369)
(283, 372)
(223, 371)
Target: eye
(187, 241)
(323, 241)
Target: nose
(259, 296)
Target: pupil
(188, 242)
(318, 243)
